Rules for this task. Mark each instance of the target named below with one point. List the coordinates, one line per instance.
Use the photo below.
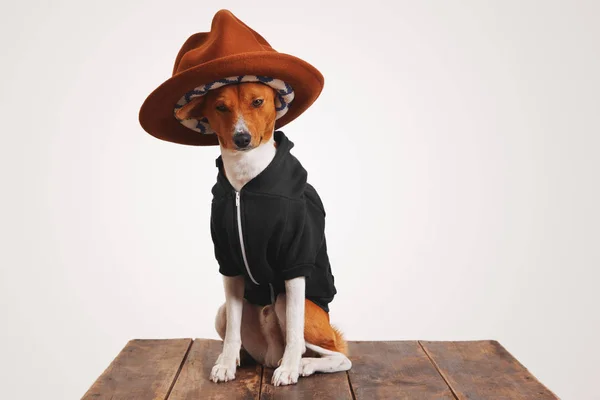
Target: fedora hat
(230, 53)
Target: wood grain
(484, 370)
(177, 369)
(332, 386)
(394, 370)
(144, 369)
(193, 382)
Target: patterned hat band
(284, 97)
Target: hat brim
(156, 114)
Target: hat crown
(228, 36)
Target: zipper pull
(237, 199)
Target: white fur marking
(240, 126)
(242, 166)
(289, 370)
(330, 361)
(229, 359)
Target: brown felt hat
(230, 49)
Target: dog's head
(242, 115)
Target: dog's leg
(272, 335)
(254, 331)
(293, 308)
(330, 361)
(221, 321)
(224, 369)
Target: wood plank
(332, 386)
(484, 370)
(394, 370)
(194, 383)
(144, 369)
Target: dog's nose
(242, 139)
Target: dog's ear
(193, 109)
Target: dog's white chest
(242, 166)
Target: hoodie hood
(284, 176)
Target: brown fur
(238, 99)
(318, 330)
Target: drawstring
(272, 294)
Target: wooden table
(177, 369)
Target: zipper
(239, 224)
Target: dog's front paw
(286, 374)
(224, 369)
(223, 372)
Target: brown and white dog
(278, 335)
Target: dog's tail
(336, 344)
(340, 342)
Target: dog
(291, 333)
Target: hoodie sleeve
(304, 234)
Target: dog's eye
(257, 102)
(222, 108)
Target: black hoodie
(282, 223)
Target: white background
(455, 147)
